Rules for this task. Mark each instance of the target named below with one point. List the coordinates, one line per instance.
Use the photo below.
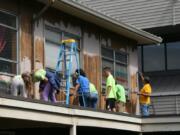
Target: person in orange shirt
(145, 94)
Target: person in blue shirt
(82, 87)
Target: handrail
(165, 103)
(165, 95)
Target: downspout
(34, 20)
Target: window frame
(114, 61)
(16, 29)
(62, 34)
(165, 58)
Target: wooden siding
(91, 57)
(26, 55)
(88, 33)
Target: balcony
(22, 113)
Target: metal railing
(165, 104)
(161, 104)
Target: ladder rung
(70, 54)
(63, 71)
(63, 79)
(66, 51)
(64, 60)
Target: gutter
(130, 28)
(90, 15)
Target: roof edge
(142, 37)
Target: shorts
(110, 103)
(120, 106)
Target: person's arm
(144, 94)
(108, 91)
(76, 89)
(77, 86)
(141, 75)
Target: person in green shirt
(110, 90)
(93, 96)
(49, 84)
(121, 98)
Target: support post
(73, 130)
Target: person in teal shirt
(93, 96)
(121, 98)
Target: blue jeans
(84, 99)
(93, 100)
(144, 110)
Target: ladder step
(70, 54)
(63, 71)
(64, 60)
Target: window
(121, 69)
(173, 55)
(154, 58)
(164, 57)
(118, 62)
(52, 47)
(8, 43)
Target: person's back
(39, 75)
(84, 83)
(82, 87)
(93, 96)
(121, 98)
(20, 85)
(145, 90)
(121, 95)
(49, 82)
(92, 88)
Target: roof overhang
(87, 14)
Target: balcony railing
(165, 104)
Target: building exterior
(160, 62)
(35, 35)
(31, 32)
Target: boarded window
(52, 47)
(8, 43)
(118, 62)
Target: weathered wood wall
(89, 34)
(92, 56)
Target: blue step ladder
(68, 50)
